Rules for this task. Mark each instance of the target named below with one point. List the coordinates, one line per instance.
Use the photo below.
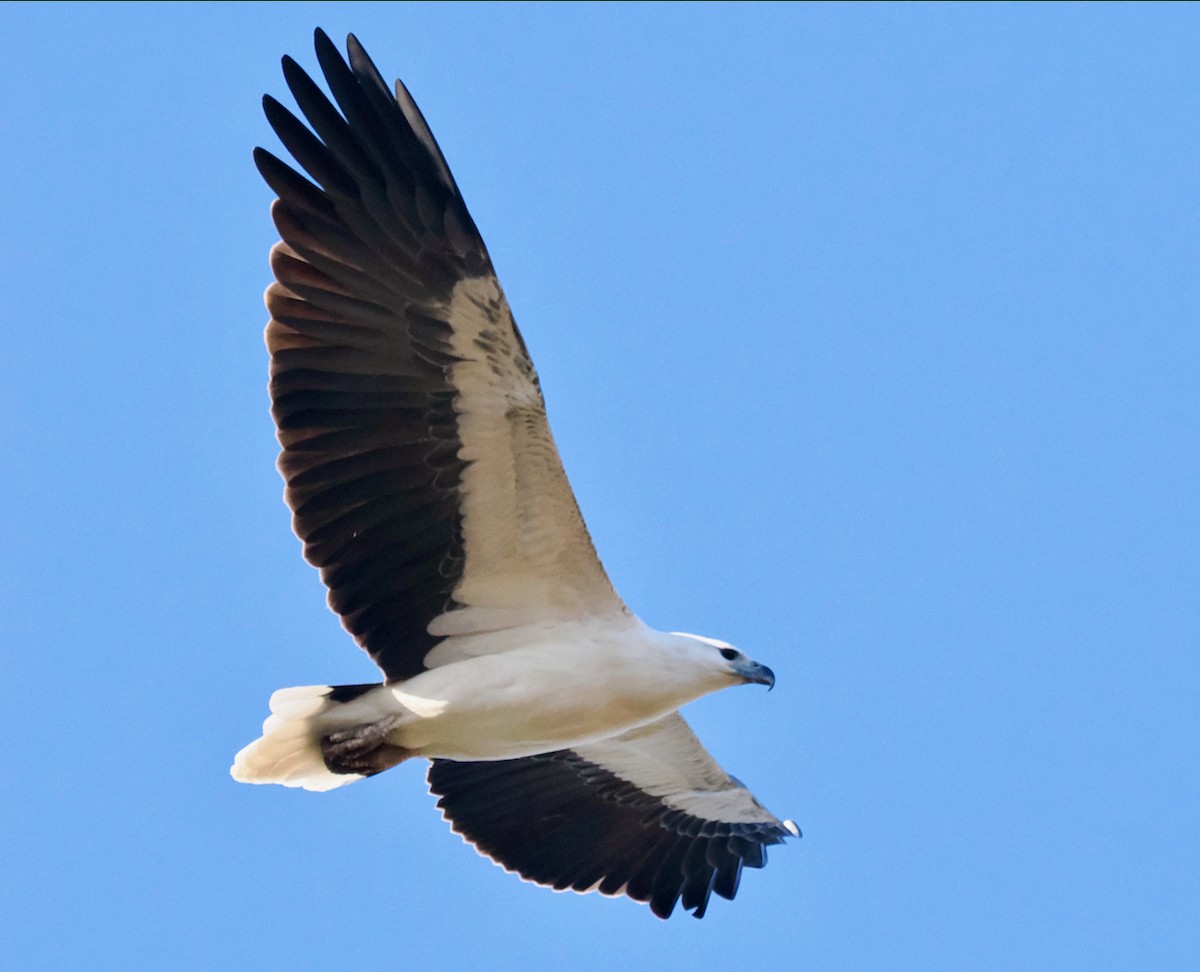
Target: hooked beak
(753, 672)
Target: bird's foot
(362, 749)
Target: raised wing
(419, 465)
(648, 814)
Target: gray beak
(756, 673)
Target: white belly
(534, 699)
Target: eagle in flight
(427, 489)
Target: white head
(727, 665)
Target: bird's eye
(728, 654)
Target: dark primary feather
(360, 350)
(562, 821)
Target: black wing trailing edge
(372, 248)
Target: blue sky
(869, 337)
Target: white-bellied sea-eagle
(426, 487)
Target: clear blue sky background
(870, 339)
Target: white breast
(536, 689)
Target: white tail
(289, 750)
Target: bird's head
(725, 660)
